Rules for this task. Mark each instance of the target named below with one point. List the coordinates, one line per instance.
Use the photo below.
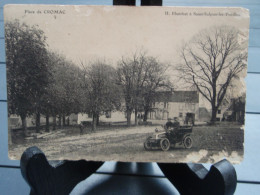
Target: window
(219, 111)
(180, 114)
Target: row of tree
(42, 82)
(129, 87)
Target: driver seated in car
(172, 125)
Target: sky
(86, 33)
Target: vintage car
(164, 139)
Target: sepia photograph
(132, 84)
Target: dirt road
(127, 145)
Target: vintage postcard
(118, 83)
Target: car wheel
(165, 144)
(187, 142)
(147, 144)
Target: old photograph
(119, 83)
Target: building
(222, 110)
(236, 110)
(15, 121)
(166, 104)
(181, 104)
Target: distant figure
(81, 127)
(139, 116)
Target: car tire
(187, 142)
(147, 144)
(165, 144)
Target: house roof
(177, 96)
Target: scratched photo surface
(115, 83)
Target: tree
(27, 71)
(211, 60)
(101, 93)
(131, 77)
(139, 77)
(238, 108)
(157, 78)
(63, 93)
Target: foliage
(41, 81)
(139, 77)
(64, 89)
(101, 93)
(63, 94)
(27, 70)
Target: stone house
(170, 104)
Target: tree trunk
(54, 122)
(145, 115)
(24, 125)
(47, 126)
(213, 115)
(213, 101)
(147, 107)
(97, 119)
(59, 121)
(128, 116)
(68, 121)
(94, 122)
(136, 119)
(38, 121)
(63, 120)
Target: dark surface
(60, 177)
(195, 179)
(133, 2)
(63, 177)
(151, 2)
(123, 2)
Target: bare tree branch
(211, 61)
